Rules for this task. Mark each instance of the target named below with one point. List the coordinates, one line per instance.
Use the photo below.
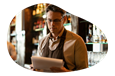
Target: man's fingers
(55, 69)
(31, 67)
(39, 70)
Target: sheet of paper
(45, 63)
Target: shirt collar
(60, 34)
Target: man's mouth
(52, 28)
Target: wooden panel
(28, 35)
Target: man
(11, 50)
(61, 43)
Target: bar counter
(28, 71)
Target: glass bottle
(89, 36)
(96, 37)
(90, 33)
(104, 38)
(101, 36)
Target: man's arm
(81, 59)
(13, 52)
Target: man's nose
(52, 23)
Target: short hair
(55, 9)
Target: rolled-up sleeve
(81, 59)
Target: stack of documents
(46, 63)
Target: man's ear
(65, 18)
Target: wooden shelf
(12, 34)
(40, 29)
(36, 43)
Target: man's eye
(50, 20)
(56, 20)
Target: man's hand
(31, 68)
(56, 69)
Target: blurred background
(29, 26)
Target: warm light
(69, 18)
(37, 11)
(38, 5)
(34, 12)
(44, 16)
(41, 5)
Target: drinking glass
(89, 58)
(92, 58)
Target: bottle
(90, 34)
(104, 38)
(69, 19)
(95, 36)
(101, 37)
(87, 40)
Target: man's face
(55, 22)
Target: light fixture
(44, 16)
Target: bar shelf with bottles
(98, 40)
(38, 21)
(95, 35)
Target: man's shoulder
(72, 35)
